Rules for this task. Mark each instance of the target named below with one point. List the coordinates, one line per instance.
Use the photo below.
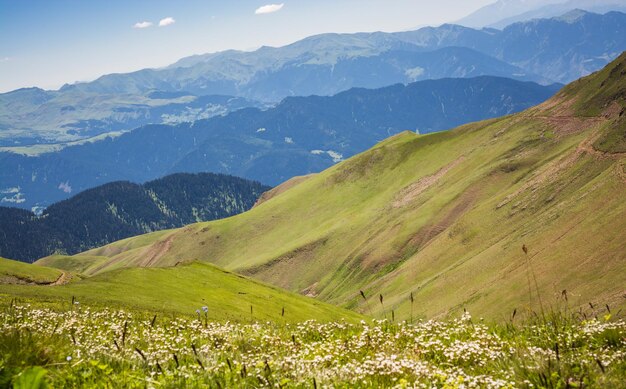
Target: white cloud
(143, 24)
(166, 21)
(268, 9)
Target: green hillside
(84, 264)
(14, 272)
(442, 216)
(183, 290)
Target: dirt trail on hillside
(568, 125)
(410, 192)
(156, 251)
(620, 170)
(599, 154)
(63, 279)
(552, 170)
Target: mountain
(55, 118)
(188, 287)
(121, 209)
(562, 48)
(320, 65)
(575, 29)
(502, 9)
(506, 12)
(300, 135)
(504, 214)
(308, 65)
(544, 51)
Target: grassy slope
(84, 264)
(14, 271)
(183, 289)
(487, 189)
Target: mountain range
(503, 13)
(121, 209)
(498, 216)
(56, 119)
(559, 49)
(301, 135)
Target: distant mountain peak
(24, 90)
(501, 9)
(506, 12)
(573, 16)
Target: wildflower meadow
(85, 347)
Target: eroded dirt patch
(569, 125)
(64, 278)
(559, 105)
(554, 169)
(409, 193)
(156, 251)
(458, 207)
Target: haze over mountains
(571, 46)
(506, 12)
(34, 116)
(300, 135)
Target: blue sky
(47, 43)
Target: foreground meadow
(86, 347)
